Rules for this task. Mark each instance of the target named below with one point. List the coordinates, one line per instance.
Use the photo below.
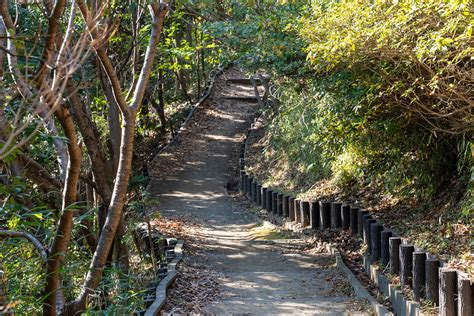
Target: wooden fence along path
(418, 270)
(447, 288)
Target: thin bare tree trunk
(181, 72)
(113, 118)
(114, 214)
(90, 135)
(63, 233)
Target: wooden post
(324, 215)
(249, 185)
(280, 204)
(314, 214)
(253, 190)
(305, 213)
(432, 280)
(354, 221)
(269, 200)
(242, 163)
(465, 297)
(447, 292)
(259, 194)
(406, 264)
(242, 181)
(384, 247)
(275, 202)
(286, 206)
(375, 230)
(264, 198)
(394, 245)
(419, 262)
(366, 229)
(336, 214)
(368, 222)
(345, 217)
(360, 222)
(291, 207)
(298, 210)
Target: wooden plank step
(246, 80)
(241, 98)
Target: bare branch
(14, 234)
(158, 13)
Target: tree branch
(14, 234)
(158, 12)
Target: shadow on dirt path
(255, 275)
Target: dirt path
(254, 276)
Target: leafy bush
(414, 57)
(321, 130)
(262, 34)
(389, 98)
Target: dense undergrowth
(377, 113)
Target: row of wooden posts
(446, 288)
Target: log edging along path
(419, 270)
(207, 92)
(161, 288)
(160, 296)
(253, 190)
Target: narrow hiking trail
(253, 272)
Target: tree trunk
(113, 118)
(181, 72)
(158, 12)
(88, 235)
(63, 234)
(113, 219)
(160, 107)
(90, 135)
(61, 150)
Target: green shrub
(262, 34)
(414, 57)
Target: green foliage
(186, 48)
(323, 132)
(25, 274)
(387, 101)
(414, 57)
(371, 93)
(313, 122)
(262, 34)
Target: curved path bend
(255, 276)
